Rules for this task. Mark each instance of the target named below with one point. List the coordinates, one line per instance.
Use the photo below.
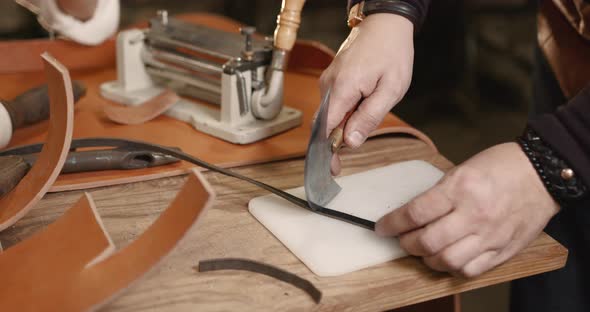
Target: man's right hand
(373, 67)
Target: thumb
(368, 116)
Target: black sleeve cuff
(567, 132)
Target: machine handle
(287, 24)
(337, 135)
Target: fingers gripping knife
(242, 74)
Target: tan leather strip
(404, 130)
(71, 265)
(150, 109)
(41, 269)
(37, 181)
(20, 56)
(566, 51)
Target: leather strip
(150, 109)
(37, 181)
(132, 144)
(20, 56)
(72, 264)
(261, 268)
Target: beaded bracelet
(559, 179)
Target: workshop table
(228, 230)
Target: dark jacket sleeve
(420, 7)
(567, 132)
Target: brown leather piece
(566, 51)
(51, 159)
(91, 121)
(577, 13)
(72, 265)
(20, 56)
(144, 112)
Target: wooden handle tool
(287, 24)
(337, 135)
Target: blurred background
(471, 87)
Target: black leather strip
(132, 144)
(262, 268)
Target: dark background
(471, 86)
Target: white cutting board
(331, 247)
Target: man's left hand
(478, 216)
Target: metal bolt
(163, 16)
(567, 173)
(248, 31)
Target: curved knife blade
(320, 187)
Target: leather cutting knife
(320, 186)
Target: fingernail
(356, 139)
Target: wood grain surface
(228, 230)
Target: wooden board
(228, 230)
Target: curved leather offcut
(37, 181)
(71, 265)
(144, 112)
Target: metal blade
(320, 187)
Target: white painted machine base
(205, 118)
(330, 247)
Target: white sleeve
(94, 31)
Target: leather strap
(261, 268)
(37, 181)
(132, 144)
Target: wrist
(557, 176)
(390, 23)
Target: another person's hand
(478, 216)
(80, 9)
(374, 65)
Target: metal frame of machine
(232, 84)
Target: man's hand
(374, 65)
(478, 216)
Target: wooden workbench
(228, 230)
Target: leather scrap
(150, 109)
(20, 56)
(37, 181)
(261, 268)
(72, 264)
